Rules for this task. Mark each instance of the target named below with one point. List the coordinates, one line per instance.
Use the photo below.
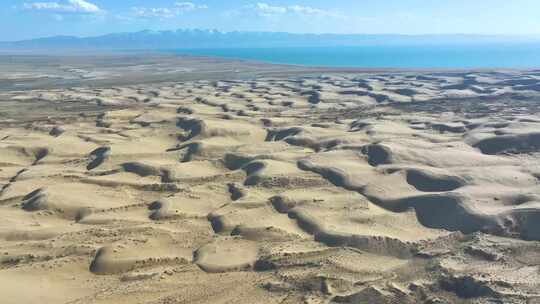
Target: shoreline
(122, 68)
(164, 53)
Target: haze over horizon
(533, 38)
(34, 19)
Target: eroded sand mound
(357, 188)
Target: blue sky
(39, 18)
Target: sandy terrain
(397, 187)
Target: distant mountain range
(197, 38)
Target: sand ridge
(341, 188)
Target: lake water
(478, 56)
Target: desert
(167, 179)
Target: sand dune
(390, 187)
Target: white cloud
(160, 12)
(267, 10)
(306, 10)
(70, 6)
(189, 6)
(167, 12)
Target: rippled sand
(399, 187)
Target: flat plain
(161, 179)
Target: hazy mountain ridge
(197, 38)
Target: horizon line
(537, 35)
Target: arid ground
(159, 179)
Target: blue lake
(440, 56)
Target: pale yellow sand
(347, 188)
